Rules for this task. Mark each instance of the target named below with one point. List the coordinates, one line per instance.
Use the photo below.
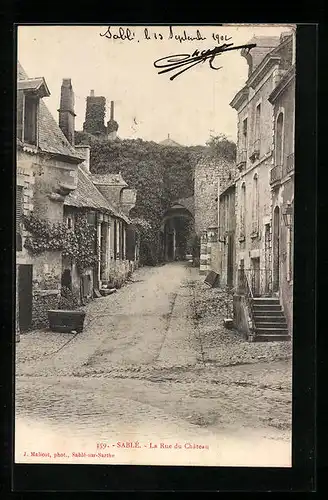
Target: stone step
(268, 314)
(271, 331)
(271, 316)
(270, 324)
(272, 338)
(266, 300)
(264, 308)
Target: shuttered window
(20, 114)
(19, 217)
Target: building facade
(114, 240)
(211, 178)
(282, 190)
(55, 195)
(261, 240)
(46, 173)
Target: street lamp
(288, 214)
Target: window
(242, 210)
(19, 217)
(244, 135)
(279, 139)
(255, 221)
(69, 223)
(258, 126)
(30, 119)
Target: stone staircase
(269, 321)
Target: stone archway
(176, 232)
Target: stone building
(123, 249)
(256, 245)
(115, 244)
(95, 117)
(107, 201)
(211, 178)
(47, 166)
(282, 190)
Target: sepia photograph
(154, 244)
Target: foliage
(160, 174)
(95, 114)
(68, 300)
(41, 306)
(77, 244)
(221, 146)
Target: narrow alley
(153, 365)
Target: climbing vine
(77, 244)
(160, 174)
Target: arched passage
(176, 233)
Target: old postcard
(154, 244)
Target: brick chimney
(112, 110)
(66, 110)
(264, 45)
(84, 151)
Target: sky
(148, 105)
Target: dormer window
(31, 105)
(29, 93)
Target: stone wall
(254, 246)
(241, 318)
(283, 194)
(40, 177)
(206, 190)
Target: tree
(221, 146)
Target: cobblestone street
(155, 364)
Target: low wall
(43, 300)
(120, 270)
(241, 318)
(215, 264)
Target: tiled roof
(51, 138)
(109, 179)
(170, 142)
(34, 84)
(86, 195)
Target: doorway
(267, 238)
(256, 277)
(276, 248)
(230, 260)
(25, 276)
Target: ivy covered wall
(160, 174)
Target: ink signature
(188, 61)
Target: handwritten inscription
(188, 61)
(169, 33)
(177, 63)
